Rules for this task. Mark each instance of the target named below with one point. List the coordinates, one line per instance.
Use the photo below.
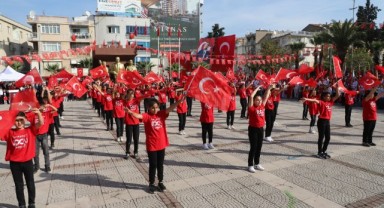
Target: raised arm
(40, 121)
(250, 103)
(337, 94)
(371, 94)
(174, 105)
(267, 93)
(136, 115)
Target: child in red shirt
(156, 139)
(370, 115)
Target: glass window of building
(50, 29)
(140, 30)
(51, 46)
(113, 29)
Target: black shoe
(349, 125)
(365, 144)
(126, 156)
(60, 126)
(52, 146)
(35, 169)
(162, 188)
(111, 129)
(320, 155)
(152, 188)
(107, 129)
(306, 118)
(31, 206)
(47, 169)
(372, 144)
(58, 133)
(326, 156)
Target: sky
(238, 17)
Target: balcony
(138, 37)
(81, 37)
(33, 37)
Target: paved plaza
(88, 169)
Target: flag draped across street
(208, 88)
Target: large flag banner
(208, 88)
(76, 87)
(205, 48)
(225, 47)
(337, 67)
(24, 101)
(369, 81)
(30, 78)
(121, 77)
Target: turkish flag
(174, 74)
(304, 69)
(24, 101)
(86, 81)
(158, 31)
(321, 75)
(7, 119)
(80, 72)
(221, 76)
(52, 82)
(121, 77)
(98, 72)
(262, 76)
(208, 88)
(32, 77)
(230, 74)
(151, 77)
(225, 47)
(340, 86)
(369, 81)
(63, 74)
(337, 67)
(311, 83)
(296, 80)
(285, 74)
(380, 68)
(134, 79)
(76, 87)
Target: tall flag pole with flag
(170, 49)
(179, 35)
(158, 46)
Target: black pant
(94, 103)
(182, 120)
(163, 106)
(243, 103)
(305, 111)
(189, 106)
(255, 136)
(42, 141)
(276, 106)
(269, 120)
(57, 124)
(171, 101)
(51, 132)
(102, 111)
(207, 128)
(369, 126)
(119, 126)
(324, 129)
(98, 108)
(61, 109)
(20, 169)
(348, 112)
(132, 131)
(109, 118)
(146, 104)
(230, 117)
(313, 120)
(156, 161)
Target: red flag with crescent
(134, 79)
(121, 77)
(297, 80)
(76, 87)
(98, 72)
(369, 81)
(230, 74)
(305, 69)
(208, 88)
(6, 121)
(86, 81)
(311, 83)
(285, 74)
(262, 76)
(32, 77)
(337, 67)
(80, 72)
(380, 68)
(24, 101)
(225, 47)
(151, 77)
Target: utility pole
(353, 11)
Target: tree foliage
(52, 68)
(86, 63)
(217, 31)
(18, 66)
(144, 66)
(295, 49)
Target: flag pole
(158, 50)
(170, 48)
(189, 86)
(179, 57)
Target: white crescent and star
(122, 76)
(151, 79)
(76, 86)
(100, 71)
(289, 75)
(201, 85)
(369, 83)
(263, 77)
(223, 45)
(29, 79)
(135, 81)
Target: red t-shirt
(102, 98)
(56, 101)
(369, 110)
(206, 115)
(132, 105)
(269, 105)
(118, 108)
(242, 93)
(256, 116)
(172, 93)
(162, 96)
(349, 99)
(48, 118)
(313, 108)
(249, 91)
(325, 110)
(155, 131)
(108, 102)
(21, 144)
(276, 98)
(181, 107)
(232, 103)
(305, 94)
(98, 97)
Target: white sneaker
(183, 132)
(62, 117)
(232, 127)
(259, 167)
(312, 131)
(205, 146)
(210, 146)
(251, 169)
(268, 139)
(180, 132)
(275, 123)
(229, 127)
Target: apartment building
(55, 33)
(13, 38)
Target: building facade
(13, 38)
(55, 34)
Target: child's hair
(324, 94)
(21, 114)
(152, 102)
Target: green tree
(271, 49)
(144, 67)
(52, 68)
(217, 31)
(196, 64)
(361, 60)
(86, 63)
(18, 66)
(295, 49)
(318, 40)
(342, 35)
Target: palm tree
(52, 68)
(144, 67)
(196, 64)
(296, 48)
(217, 31)
(342, 35)
(86, 63)
(18, 66)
